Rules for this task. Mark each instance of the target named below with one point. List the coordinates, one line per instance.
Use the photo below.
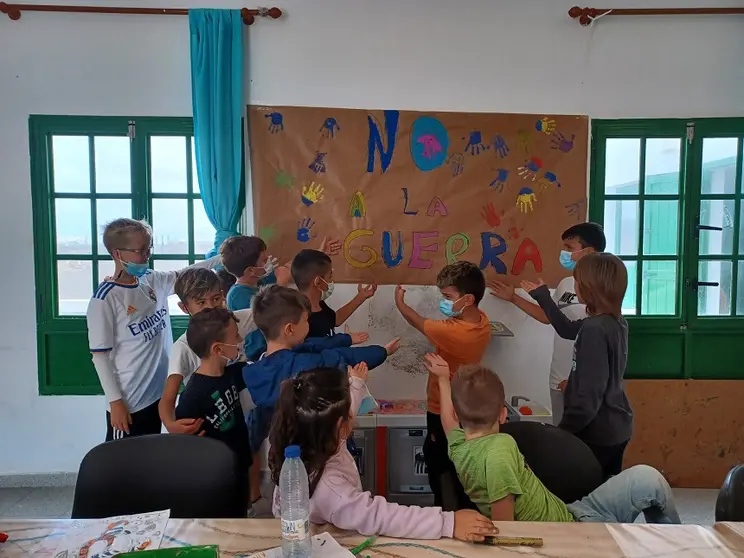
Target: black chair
(194, 477)
(562, 462)
(730, 501)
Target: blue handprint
(549, 179)
(475, 143)
(500, 147)
(276, 124)
(330, 127)
(303, 229)
(318, 165)
(502, 175)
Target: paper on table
(323, 545)
(113, 535)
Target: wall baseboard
(40, 480)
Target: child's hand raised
(530, 286)
(356, 338)
(331, 246)
(367, 291)
(360, 371)
(472, 526)
(501, 290)
(436, 365)
(400, 294)
(393, 346)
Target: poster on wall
(408, 192)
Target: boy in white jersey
(129, 330)
(578, 241)
(199, 289)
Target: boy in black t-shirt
(312, 272)
(213, 391)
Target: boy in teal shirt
(497, 479)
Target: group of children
(260, 359)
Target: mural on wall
(408, 192)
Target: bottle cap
(291, 452)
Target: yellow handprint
(312, 193)
(525, 199)
(545, 125)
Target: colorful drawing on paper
(408, 192)
(112, 536)
(357, 209)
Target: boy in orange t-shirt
(460, 339)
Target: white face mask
(268, 267)
(325, 295)
(240, 356)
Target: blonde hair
(602, 280)
(117, 232)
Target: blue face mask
(135, 269)
(446, 307)
(566, 260)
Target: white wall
(473, 55)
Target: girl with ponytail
(316, 411)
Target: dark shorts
(144, 421)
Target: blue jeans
(640, 489)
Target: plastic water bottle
(294, 504)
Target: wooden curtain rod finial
(11, 11)
(249, 16)
(584, 15)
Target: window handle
(694, 284)
(699, 227)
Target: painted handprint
(312, 193)
(430, 144)
(330, 127)
(318, 165)
(548, 180)
(490, 216)
(525, 199)
(475, 143)
(500, 147)
(303, 229)
(523, 138)
(283, 179)
(456, 163)
(276, 122)
(576, 209)
(502, 175)
(530, 168)
(545, 125)
(561, 142)
(267, 233)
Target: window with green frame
(670, 196)
(86, 171)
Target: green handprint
(283, 179)
(267, 233)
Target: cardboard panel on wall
(408, 192)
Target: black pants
(145, 421)
(448, 491)
(609, 457)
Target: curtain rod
(13, 11)
(587, 15)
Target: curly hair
(309, 412)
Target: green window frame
(157, 189)
(652, 183)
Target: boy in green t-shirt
(497, 479)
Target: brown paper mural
(408, 192)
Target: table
(243, 537)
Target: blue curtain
(217, 97)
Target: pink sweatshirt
(339, 499)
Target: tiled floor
(695, 506)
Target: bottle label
(297, 530)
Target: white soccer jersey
(132, 323)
